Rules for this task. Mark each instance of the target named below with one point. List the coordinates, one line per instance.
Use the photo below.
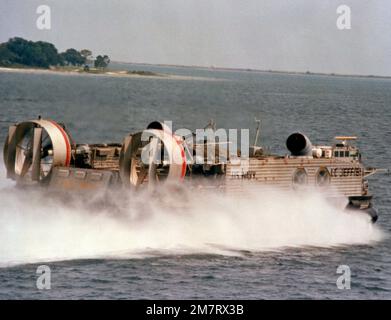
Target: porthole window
(299, 177)
(323, 177)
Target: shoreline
(249, 70)
(108, 73)
(152, 75)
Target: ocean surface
(271, 247)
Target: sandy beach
(109, 73)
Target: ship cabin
(343, 149)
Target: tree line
(20, 52)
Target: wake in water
(38, 228)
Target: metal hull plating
(345, 177)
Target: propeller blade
(11, 152)
(36, 157)
(26, 163)
(28, 154)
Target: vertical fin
(36, 162)
(124, 163)
(11, 152)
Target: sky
(290, 35)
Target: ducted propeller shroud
(34, 147)
(154, 155)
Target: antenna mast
(258, 121)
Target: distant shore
(213, 68)
(101, 72)
(154, 75)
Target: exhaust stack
(299, 145)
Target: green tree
(102, 61)
(7, 57)
(20, 51)
(49, 53)
(86, 53)
(73, 57)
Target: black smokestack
(299, 145)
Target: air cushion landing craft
(42, 153)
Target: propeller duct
(152, 156)
(34, 147)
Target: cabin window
(354, 154)
(341, 154)
(346, 153)
(299, 177)
(336, 154)
(322, 177)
